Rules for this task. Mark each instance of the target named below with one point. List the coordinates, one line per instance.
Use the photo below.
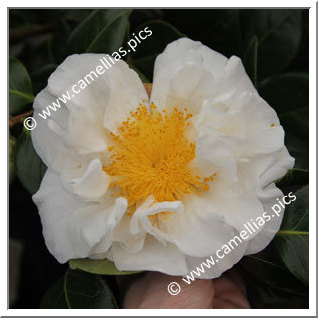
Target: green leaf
(299, 149)
(40, 76)
(56, 51)
(294, 177)
(12, 142)
(279, 34)
(221, 31)
(162, 34)
(250, 59)
(103, 31)
(20, 88)
(29, 167)
(266, 271)
(265, 297)
(79, 290)
(288, 94)
(77, 15)
(54, 297)
(292, 240)
(101, 267)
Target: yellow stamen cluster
(151, 155)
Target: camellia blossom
(158, 183)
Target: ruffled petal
(79, 123)
(72, 227)
(153, 257)
(188, 73)
(214, 154)
(47, 137)
(198, 231)
(271, 226)
(93, 183)
(213, 266)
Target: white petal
(149, 208)
(49, 145)
(236, 204)
(71, 227)
(110, 96)
(80, 122)
(264, 169)
(187, 73)
(194, 234)
(126, 94)
(266, 141)
(212, 151)
(184, 74)
(267, 232)
(198, 231)
(220, 264)
(93, 183)
(129, 242)
(153, 257)
(227, 124)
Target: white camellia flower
(158, 184)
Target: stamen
(151, 156)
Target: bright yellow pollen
(151, 156)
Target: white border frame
(312, 163)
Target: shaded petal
(110, 96)
(219, 265)
(140, 221)
(153, 257)
(71, 227)
(192, 233)
(187, 73)
(267, 232)
(266, 168)
(80, 121)
(126, 94)
(93, 183)
(198, 231)
(47, 137)
(213, 150)
(129, 242)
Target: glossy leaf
(77, 15)
(279, 35)
(79, 290)
(102, 267)
(219, 29)
(266, 270)
(40, 77)
(54, 298)
(294, 177)
(61, 34)
(250, 59)
(103, 31)
(12, 142)
(224, 32)
(20, 87)
(288, 94)
(266, 297)
(292, 240)
(29, 167)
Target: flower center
(151, 156)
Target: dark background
(38, 39)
